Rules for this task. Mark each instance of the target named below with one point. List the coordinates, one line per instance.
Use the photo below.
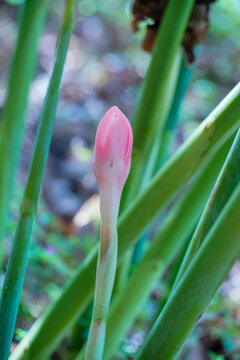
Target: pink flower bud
(112, 156)
(113, 140)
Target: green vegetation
(178, 226)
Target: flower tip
(113, 109)
(114, 113)
(113, 139)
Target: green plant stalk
(228, 179)
(204, 142)
(161, 145)
(149, 115)
(162, 154)
(124, 269)
(167, 44)
(178, 226)
(16, 267)
(168, 134)
(197, 286)
(106, 267)
(21, 73)
(155, 98)
(169, 99)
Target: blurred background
(106, 66)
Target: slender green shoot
(169, 131)
(124, 269)
(106, 268)
(161, 146)
(17, 263)
(155, 99)
(12, 124)
(149, 116)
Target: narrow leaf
(207, 269)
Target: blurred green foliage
(54, 255)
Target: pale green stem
(173, 116)
(150, 162)
(153, 159)
(149, 115)
(107, 257)
(153, 153)
(106, 268)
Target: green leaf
(227, 182)
(219, 248)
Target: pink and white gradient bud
(112, 160)
(111, 165)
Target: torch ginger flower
(111, 165)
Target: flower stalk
(106, 268)
(111, 164)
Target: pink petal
(113, 139)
